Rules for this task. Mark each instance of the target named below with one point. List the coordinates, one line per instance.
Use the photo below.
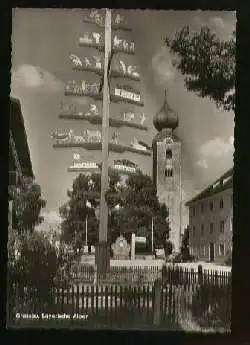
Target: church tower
(167, 169)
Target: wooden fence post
(95, 275)
(200, 275)
(157, 303)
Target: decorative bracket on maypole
(119, 22)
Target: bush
(34, 265)
(180, 258)
(228, 261)
(211, 305)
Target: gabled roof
(222, 183)
(20, 137)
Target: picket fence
(179, 300)
(121, 275)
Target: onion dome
(166, 118)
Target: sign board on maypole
(127, 118)
(118, 22)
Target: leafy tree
(75, 210)
(168, 248)
(207, 63)
(138, 204)
(185, 253)
(34, 264)
(27, 203)
(228, 261)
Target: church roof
(166, 117)
(20, 137)
(222, 183)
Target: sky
(43, 39)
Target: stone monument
(120, 248)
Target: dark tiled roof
(222, 183)
(20, 137)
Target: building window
(203, 250)
(202, 230)
(168, 154)
(221, 203)
(193, 230)
(168, 172)
(231, 223)
(211, 227)
(194, 211)
(202, 208)
(222, 226)
(211, 205)
(221, 249)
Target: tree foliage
(185, 253)
(228, 260)
(34, 268)
(32, 259)
(207, 63)
(27, 203)
(75, 210)
(138, 204)
(211, 304)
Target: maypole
(102, 249)
(96, 140)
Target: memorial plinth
(121, 249)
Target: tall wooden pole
(86, 230)
(152, 235)
(102, 253)
(180, 230)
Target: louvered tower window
(168, 172)
(168, 154)
(169, 165)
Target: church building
(167, 169)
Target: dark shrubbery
(211, 305)
(228, 261)
(184, 255)
(33, 268)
